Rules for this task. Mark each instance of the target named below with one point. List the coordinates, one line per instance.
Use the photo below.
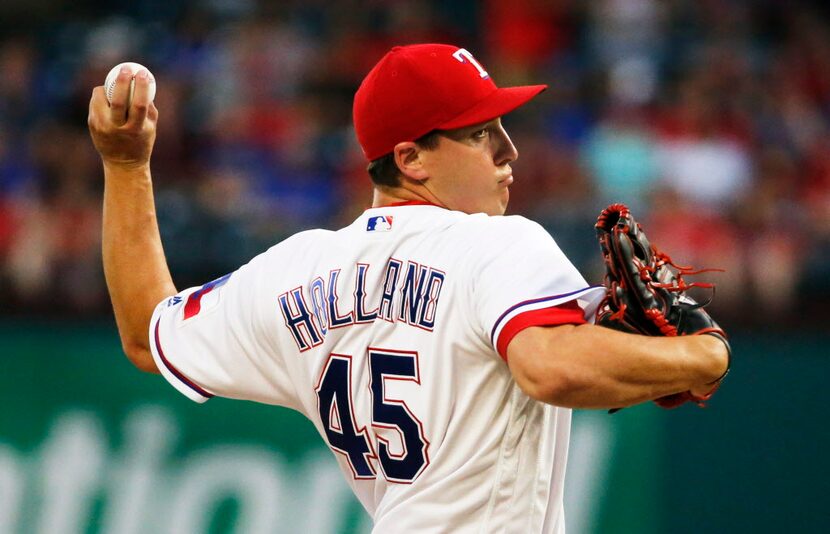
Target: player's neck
(389, 196)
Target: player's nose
(506, 151)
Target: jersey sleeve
(214, 340)
(524, 280)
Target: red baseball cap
(419, 88)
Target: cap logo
(464, 56)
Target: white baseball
(135, 68)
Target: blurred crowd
(710, 119)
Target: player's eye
(481, 134)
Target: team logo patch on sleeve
(205, 297)
(380, 223)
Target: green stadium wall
(89, 444)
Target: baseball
(109, 84)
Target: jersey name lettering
(409, 294)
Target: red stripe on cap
(566, 313)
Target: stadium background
(710, 118)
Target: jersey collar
(407, 203)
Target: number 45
(334, 400)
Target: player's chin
(500, 205)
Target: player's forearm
(134, 264)
(589, 366)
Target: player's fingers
(141, 99)
(120, 96)
(153, 112)
(98, 108)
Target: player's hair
(384, 170)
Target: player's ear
(409, 161)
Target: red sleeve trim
(565, 313)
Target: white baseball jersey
(390, 335)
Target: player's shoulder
(502, 229)
(301, 241)
(295, 250)
(513, 223)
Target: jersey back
(390, 335)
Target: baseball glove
(646, 291)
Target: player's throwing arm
(122, 123)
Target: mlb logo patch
(381, 223)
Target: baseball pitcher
(437, 345)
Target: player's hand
(123, 135)
(719, 354)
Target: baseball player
(436, 345)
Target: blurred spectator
(627, 29)
(622, 157)
(53, 252)
(699, 157)
(701, 239)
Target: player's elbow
(540, 374)
(140, 356)
(552, 384)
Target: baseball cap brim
(500, 102)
